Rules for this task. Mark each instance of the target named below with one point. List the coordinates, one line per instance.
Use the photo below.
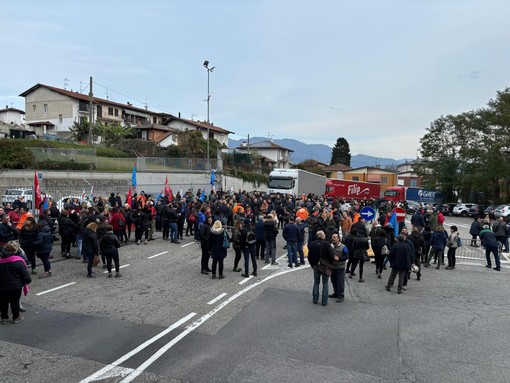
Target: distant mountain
(321, 153)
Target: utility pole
(209, 70)
(91, 112)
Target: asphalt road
(163, 321)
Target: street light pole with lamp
(209, 70)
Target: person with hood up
(218, 252)
(14, 278)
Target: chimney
(6, 106)
(179, 114)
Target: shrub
(67, 165)
(14, 156)
(110, 152)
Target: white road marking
(191, 243)
(102, 373)
(157, 255)
(105, 272)
(469, 263)
(245, 280)
(56, 288)
(133, 375)
(216, 299)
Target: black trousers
(10, 297)
(115, 259)
(355, 262)
(260, 248)
(219, 262)
(166, 228)
(205, 255)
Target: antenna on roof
(145, 103)
(81, 87)
(66, 82)
(107, 95)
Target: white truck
(295, 182)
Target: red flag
(168, 191)
(129, 197)
(37, 191)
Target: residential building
(274, 152)
(335, 171)
(164, 135)
(385, 178)
(53, 110)
(215, 132)
(12, 116)
(407, 176)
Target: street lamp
(209, 70)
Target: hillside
(322, 153)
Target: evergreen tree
(341, 153)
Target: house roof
(202, 125)
(265, 145)
(85, 97)
(40, 123)
(12, 110)
(336, 167)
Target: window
(110, 111)
(116, 112)
(413, 183)
(45, 108)
(154, 120)
(83, 106)
(59, 118)
(34, 107)
(355, 178)
(384, 180)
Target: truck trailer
(352, 190)
(295, 182)
(404, 193)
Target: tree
(341, 153)
(310, 165)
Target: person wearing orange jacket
(302, 214)
(24, 215)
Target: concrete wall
(61, 183)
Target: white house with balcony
(277, 153)
(215, 132)
(12, 116)
(51, 110)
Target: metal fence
(88, 156)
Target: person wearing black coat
(419, 247)
(90, 248)
(474, 230)
(320, 257)
(270, 231)
(359, 247)
(260, 246)
(400, 259)
(27, 237)
(7, 231)
(44, 245)
(67, 231)
(13, 276)
(205, 232)
(109, 248)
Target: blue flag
(46, 203)
(133, 177)
(394, 222)
(212, 179)
(202, 196)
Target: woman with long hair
(218, 252)
(90, 248)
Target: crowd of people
(332, 231)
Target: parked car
(448, 208)
(502, 211)
(477, 211)
(412, 207)
(62, 202)
(462, 209)
(490, 210)
(12, 195)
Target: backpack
(459, 242)
(250, 237)
(226, 241)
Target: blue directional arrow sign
(367, 213)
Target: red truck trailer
(350, 190)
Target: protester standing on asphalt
(453, 239)
(203, 234)
(90, 248)
(236, 244)
(218, 252)
(14, 277)
(260, 247)
(359, 248)
(437, 244)
(400, 259)
(491, 246)
(44, 245)
(110, 244)
(320, 256)
(27, 237)
(474, 231)
(291, 234)
(270, 231)
(341, 254)
(248, 241)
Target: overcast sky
(375, 72)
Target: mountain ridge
(321, 152)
